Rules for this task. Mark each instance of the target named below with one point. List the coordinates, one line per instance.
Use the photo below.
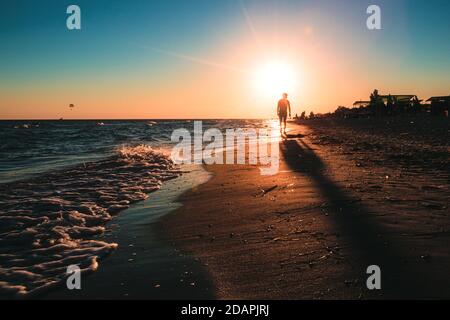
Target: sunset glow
(274, 78)
(231, 59)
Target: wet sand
(144, 266)
(336, 207)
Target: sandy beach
(337, 205)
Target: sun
(275, 77)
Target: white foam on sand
(52, 221)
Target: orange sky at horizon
(208, 91)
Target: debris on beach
(425, 257)
(265, 191)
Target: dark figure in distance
(283, 108)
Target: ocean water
(62, 181)
(28, 148)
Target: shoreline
(315, 233)
(145, 266)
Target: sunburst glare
(273, 78)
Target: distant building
(401, 103)
(395, 104)
(358, 104)
(403, 98)
(439, 105)
(399, 99)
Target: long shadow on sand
(354, 223)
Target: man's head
(285, 95)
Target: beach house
(439, 105)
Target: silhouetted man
(283, 107)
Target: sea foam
(54, 220)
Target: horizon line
(129, 119)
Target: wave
(52, 221)
(26, 126)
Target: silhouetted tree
(415, 105)
(376, 104)
(373, 98)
